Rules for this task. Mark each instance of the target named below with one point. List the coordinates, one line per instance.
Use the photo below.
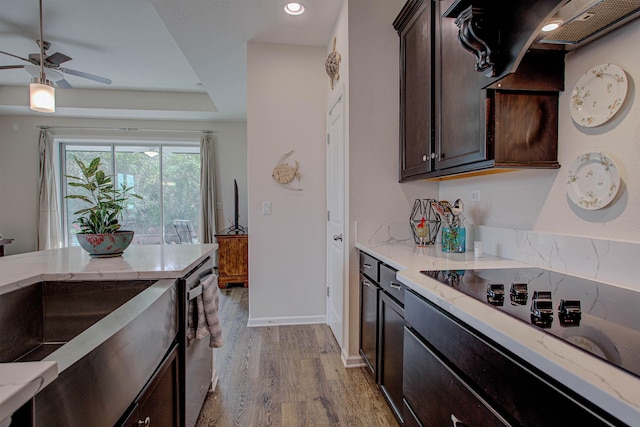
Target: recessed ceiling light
(294, 8)
(551, 25)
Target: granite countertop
(19, 382)
(610, 388)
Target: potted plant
(99, 231)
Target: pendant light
(42, 94)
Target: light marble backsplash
(610, 261)
(383, 233)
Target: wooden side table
(2, 243)
(233, 259)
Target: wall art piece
(593, 181)
(598, 95)
(284, 173)
(332, 64)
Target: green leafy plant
(106, 202)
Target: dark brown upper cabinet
(455, 120)
(415, 27)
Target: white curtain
(208, 213)
(49, 226)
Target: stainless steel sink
(40, 318)
(108, 337)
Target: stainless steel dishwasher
(196, 356)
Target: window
(166, 176)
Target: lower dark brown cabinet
(437, 395)
(158, 404)
(391, 319)
(369, 292)
(453, 370)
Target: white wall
(374, 191)
(231, 163)
(537, 200)
(286, 111)
(19, 167)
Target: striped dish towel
(203, 313)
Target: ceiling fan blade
(10, 67)
(57, 58)
(86, 75)
(63, 84)
(15, 56)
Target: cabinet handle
(194, 292)
(367, 265)
(144, 423)
(456, 422)
(424, 158)
(394, 286)
(366, 283)
(433, 155)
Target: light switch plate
(266, 208)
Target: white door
(335, 218)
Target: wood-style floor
(286, 376)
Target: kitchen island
(139, 262)
(601, 384)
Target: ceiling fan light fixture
(42, 96)
(294, 8)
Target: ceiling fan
(51, 63)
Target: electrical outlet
(474, 196)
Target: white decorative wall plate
(598, 95)
(593, 181)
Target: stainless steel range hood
(582, 21)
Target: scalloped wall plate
(598, 95)
(593, 181)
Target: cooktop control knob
(518, 293)
(542, 312)
(541, 294)
(495, 293)
(569, 312)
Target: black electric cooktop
(596, 317)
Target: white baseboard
(214, 380)
(352, 361)
(281, 321)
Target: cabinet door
(158, 406)
(391, 345)
(389, 283)
(437, 396)
(233, 254)
(526, 128)
(370, 267)
(408, 416)
(461, 104)
(369, 291)
(415, 28)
